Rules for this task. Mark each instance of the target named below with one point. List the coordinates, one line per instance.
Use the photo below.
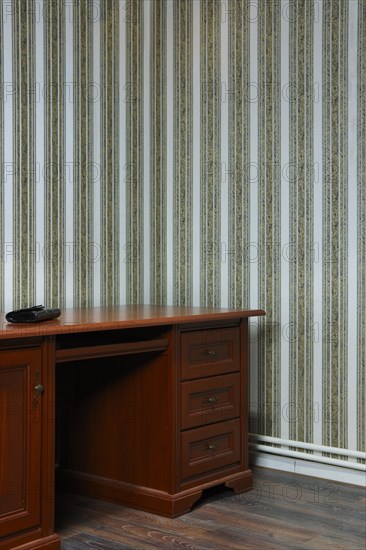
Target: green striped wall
(24, 181)
(54, 146)
(210, 152)
(105, 199)
(239, 155)
(183, 152)
(361, 218)
(134, 150)
(109, 162)
(83, 153)
(269, 211)
(335, 181)
(301, 189)
(158, 143)
(1, 165)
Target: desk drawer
(210, 448)
(209, 352)
(210, 400)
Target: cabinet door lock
(38, 388)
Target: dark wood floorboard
(284, 511)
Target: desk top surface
(120, 317)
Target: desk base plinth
(145, 498)
(51, 542)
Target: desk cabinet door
(20, 440)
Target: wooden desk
(147, 404)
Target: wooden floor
(283, 511)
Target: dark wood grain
(121, 434)
(209, 352)
(20, 440)
(120, 317)
(27, 446)
(85, 541)
(284, 511)
(110, 350)
(210, 400)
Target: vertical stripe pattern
(183, 152)
(109, 48)
(361, 244)
(301, 180)
(239, 163)
(143, 144)
(335, 182)
(84, 90)
(54, 100)
(269, 133)
(158, 168)
(134, 151)
(210, 152)
(1, 163)
(24, 154)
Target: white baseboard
(308, 468)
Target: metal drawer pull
(210, 447)
(211, 352)
(209, 401)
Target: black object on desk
(33, 314)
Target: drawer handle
(211, 352)
(209, 401)
(210, 447)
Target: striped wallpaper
(301, 180)
(54, 154)
(198, 152)
(269, 211)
